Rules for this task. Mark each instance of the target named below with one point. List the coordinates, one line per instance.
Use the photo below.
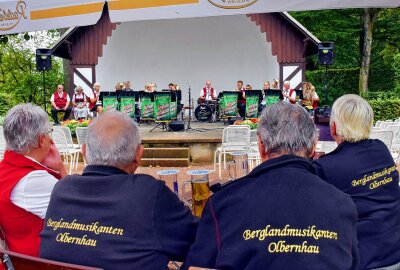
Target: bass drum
(203, 113)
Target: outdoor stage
(178, 149)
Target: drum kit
(207, 111)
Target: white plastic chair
(253, 152)
(234, 139)
(379, 123)
(327, 146)
(81, 134)
(2, 143)
(386, 125)
(395, 149)
(61, 142)
(386, 136)
(73, 148)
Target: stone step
(166, 152)
(164, 162)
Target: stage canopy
(32, 15)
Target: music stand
(162, 110)
(147, 106)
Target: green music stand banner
(147, 107)
(128, 104)
(174, 109)
(110, 104)
(252, 100)
(162, 104)
(229, 104)
(272, 96)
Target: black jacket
(366, 171)
(280, 216)
(113, 220)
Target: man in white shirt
(30, 169)
(208, 93)
(60, 103)
(288, 95)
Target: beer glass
(200, 190)
(239, 167)
(170, 177)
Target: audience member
(109, 217)
(94, 100)
(365, 170)
(28, 173)
(281, 215)
(60, 103)
(79, 101)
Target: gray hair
(287, 129)
(112, 140)
(23, 125)
(353, 117)
(77, 88)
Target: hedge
(339, 82)
(385, 109)
(6, 102)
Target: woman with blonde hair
(310, 97)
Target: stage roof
(22, 15)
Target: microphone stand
(190, 108)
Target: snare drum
(203, 113)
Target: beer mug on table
(200, 190)
(239, 166)
(170, 177)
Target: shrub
(385, 109)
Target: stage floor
(199, 133)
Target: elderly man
(288, 94)
(28, 173)
(207, 93)
(111, 218)
(94, 100)
(281, 215)
(365, 170)
(60, 103)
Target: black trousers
(54, 113)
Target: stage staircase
(166, 157)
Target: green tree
(18, 76)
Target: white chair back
(235, 136)
(386, 136)
(386, 125)
(81, 134)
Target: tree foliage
(19, 80)
(345, 29)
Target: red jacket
(21, 228)
(60, 102)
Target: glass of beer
(170, 177)
(200, 190)
(239, 167)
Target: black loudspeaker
(233, 119)
(43, 59)
(177, 126)
(325, 53)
